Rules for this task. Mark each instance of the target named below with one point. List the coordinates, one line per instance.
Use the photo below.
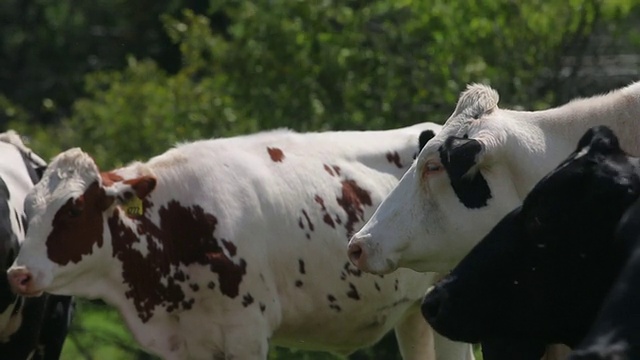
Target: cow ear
(424, 138)
(600, 139)
(142, 185)
(129, 193)
(460, 157)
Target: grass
(97, 332)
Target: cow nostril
(355, 252)
(432, 305)
(25, 280)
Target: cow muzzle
(433, 304)
(448, 320)
(359, 251)
(363, 256)
(21, 281)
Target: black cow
(540, 276)
(616, 332)
(30, 328)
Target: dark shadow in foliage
(387, 349)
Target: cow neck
(540, 140)
(619, 110)
(610, 263)
(614, 316)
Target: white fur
(258, 204)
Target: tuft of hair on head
(72, 161)
(477, 100)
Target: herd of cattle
(516, 230)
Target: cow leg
(245, 342)
(415, 336)
(23, 342)
(417, 340)
(56, 322)
(447, 349)
(556, 352)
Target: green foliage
(130, 79)
(143, 111)
(10, 112)
(97, 332)
(334, 65)
(48, 46)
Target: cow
(542, 273)
(615, 334)
(218, 248)
(30, 328)
(478, 168)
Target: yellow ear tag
(133, 207)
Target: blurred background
(127, 79)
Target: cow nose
(356, 255)
(433, 303)
(20, 280)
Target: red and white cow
(217, 248)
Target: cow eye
(431, 167)
(75, 211)
(76, 207)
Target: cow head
(459, 187)
(543, 270)
(66, 235)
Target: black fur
(458, 156)
(424, 138)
